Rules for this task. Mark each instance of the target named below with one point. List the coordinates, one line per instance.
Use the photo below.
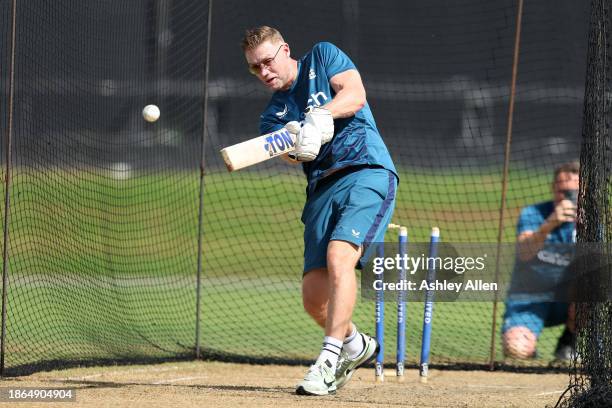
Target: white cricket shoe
(347, 366)
(320, 380)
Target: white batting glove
(307, 142)
(322, 119)
(293, 127)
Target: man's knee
(341, 256)
(519, 342)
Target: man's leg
(523, 323)
(570, 323)
(365, 214)
(358, 348)
(315, 296)
(519, 342)
(566, 344)
(329, 296)
(338, 219)
(342, 258)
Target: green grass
(63, 322)
(152, 219)
(99, 266)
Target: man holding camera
(540, 231)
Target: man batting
(351, 189)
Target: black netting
(103, 234)
(591, 379)
(103, 216)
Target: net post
(198, 311)
(379, 311)
(401, 306)
(502, 209)
(7, 186)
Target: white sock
(330, 351)
(353, 344)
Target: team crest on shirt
(282, 113)
(311, 74)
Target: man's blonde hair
(254, 37)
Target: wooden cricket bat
(258, 149)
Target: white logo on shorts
(355, 233)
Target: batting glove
(307, 142)
(321, 119)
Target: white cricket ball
(121, 171)
(150, 113)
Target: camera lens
(571, 195)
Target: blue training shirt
(546, 269)
(356, 141)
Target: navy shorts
(354, 206)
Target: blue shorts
(353, 206)
(534, 315)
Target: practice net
(104, 216)
(591, 374)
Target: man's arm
(350, 94)
(319, 122)
(530, 242)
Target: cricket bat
(258, 149)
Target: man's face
(271, 64)
(564, 181)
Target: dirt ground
(210, 384)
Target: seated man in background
(540, 230)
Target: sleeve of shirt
(266, 125)
(332, 58)
(529, 220)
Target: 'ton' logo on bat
(278, 142)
